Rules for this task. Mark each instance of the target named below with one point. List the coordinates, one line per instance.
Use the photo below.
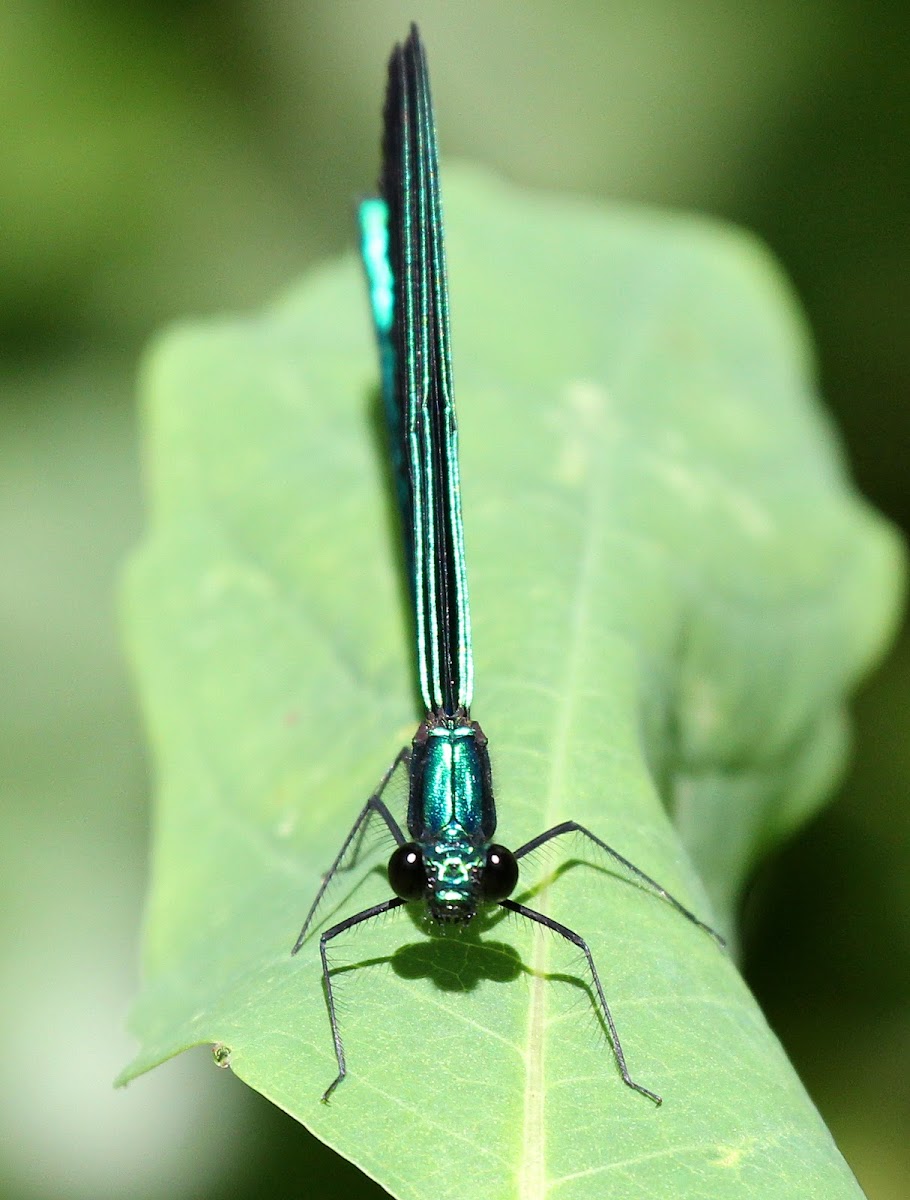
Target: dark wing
(404, 253)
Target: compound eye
(407, 877)
(500, 873)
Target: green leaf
(673, 588)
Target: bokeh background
(160, 159)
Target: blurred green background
(165, 159)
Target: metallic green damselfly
(449, 861)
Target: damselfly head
(452, 877)
(446, 875)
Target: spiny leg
(358, 919)
(574, 827)
(577, 940)
(373, 805)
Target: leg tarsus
(577, 940)
(358, 919)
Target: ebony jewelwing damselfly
(449, 862)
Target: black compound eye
(500, 874)
(407, 877)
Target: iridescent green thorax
(452, 814)
(449, 786)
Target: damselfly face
(453, 871)
(453, 877)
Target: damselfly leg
(374, 806)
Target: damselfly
(449, 861)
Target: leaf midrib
(532, 1172)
